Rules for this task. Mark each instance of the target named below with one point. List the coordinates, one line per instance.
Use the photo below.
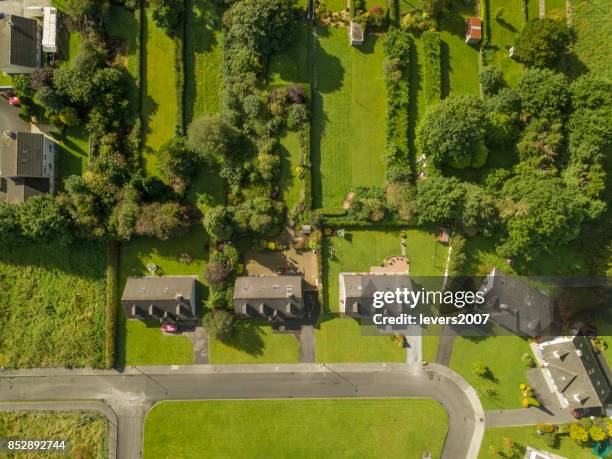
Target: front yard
(381, 428)
(502, 355)
(527, 436)
(52, 305)
(348, 116)
(86, 432)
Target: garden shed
(356, 34)
(473, 30)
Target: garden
(296, 428)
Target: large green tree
(542, 42)
(452, 133)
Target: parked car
(580, 413)
(14, 101)
(169, 328)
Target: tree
(219, 324)
(452, 133)
(578, 433)
(438, 200)
(217, 222)
(211, 137)
(432, 7)
(541, 42)
(540, 214)
(597, 433)
(491, 81)
(263, 26)
(10, 230)
(43, 219)
(216, 273)
(167, 15)
(86, 10)
(176, 163)
(161, 220)
(401, 198)
(297, 116)
(510, 447)
(591, 91)
(480, 369)
(125, 214)
(543, 94)
(479, 210)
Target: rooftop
(158, 288)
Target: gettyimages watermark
(497, 304)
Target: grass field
(554, 7)
(52, 305)
(290, 182)
(142, 343)
(86, 432)
(382, 428)
(527, 436)
(502, 355)
(592, 21)
(255, 343)
(159, 80)
(203, 63)
(73, 156)
(459, 60)
(348, 119)
(503, 33)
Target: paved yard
(9, 118)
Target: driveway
(9, 117)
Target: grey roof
(516, 305)
(359, 291)
(166, 297)
(273, 297)
(576, 372)
(20, 189)
(21, 154)
(18, 42)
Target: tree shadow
(506, 25)
(328, 69)
(445, 68)
(286, 179)
(368, 45)
(293, 63)
(318, 125)
(148, 106)
(247, 337)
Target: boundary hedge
(112, 300)
(179, 64)
(432, 73)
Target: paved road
(133, 392)
(100, 407)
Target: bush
(491, 81)
(432, 73)
(219, 324)
(541, 42)
(297, 117)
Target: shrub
(491, 81)
(541, 42)
(297, 116)
(219, 324)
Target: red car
(169, 328)
(14, 101)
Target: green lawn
(380, 428)
(459, 60)
(503, 33)
(141, 343)
(430, 344)
(592, 21)
(554, 7)
(348, 119)
(52, 305)
(5, 80)
(159, 105)
(256, 343)
(502, 354)
(73, 157)
(290, 156)
(123, 23)
(527, 436)
(341, 340)
(203, 64)
(86, 432)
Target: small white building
(533, 453)
(356, 34)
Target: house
(165, 298)
(473, 30)
(357, 291)
(356, 34)
(573, 373)
(533, 453)
(276, 298)
(28, 166)
(516, 305)
(20, 44)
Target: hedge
(180, 70)
(112, 300)
(431, 67)
(397, 149)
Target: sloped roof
(21, 189)
(18, 41)
(359, 290)
(267, 287)
(158, 288)
(21, 154)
